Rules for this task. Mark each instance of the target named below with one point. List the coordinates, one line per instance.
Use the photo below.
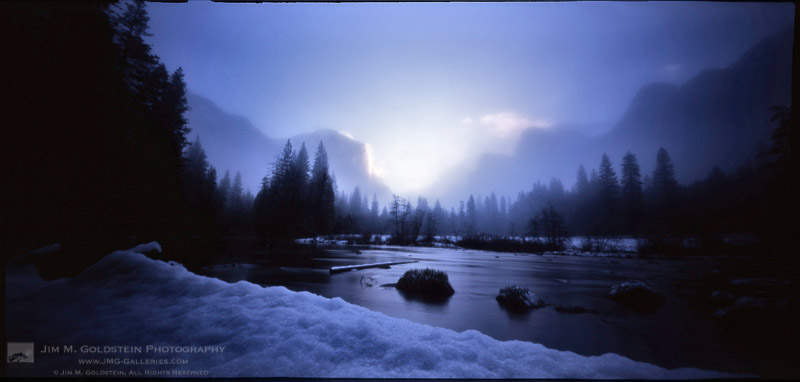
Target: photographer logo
(20, 352)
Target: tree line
(100, 158)
(301, 200)
(96, 132)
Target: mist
(432, 88)
(371, 190)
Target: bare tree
(548, 227)
(400, 209)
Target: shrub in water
(425, 282)
(517, 298)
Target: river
(672, 336)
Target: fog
(430, 89)
(602, 186)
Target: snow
(128, 299)
(146, 248)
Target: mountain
(233, 143)
(541, 154)
(720, 118)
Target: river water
(672, 336)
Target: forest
(297, 201)
(109, 163)
(119, 230)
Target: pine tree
(224, 190)
(462, 218)
(355, 203)
(277, 219)
(503, 212)
(210, 185)
(632, 196)
(607, 199)
(261, 208)
(437, 218)
(135, 59)
(176, 105)
(321, 194)
(607, 178)
(195, 173)
(664, 195)
(283, 171)
(301, 166)
(582, 183)
(665, 187)
(237, 195)
(471, 217)
(374, 208)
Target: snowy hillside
(128, 299)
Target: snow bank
(127, 299)
(146, 248)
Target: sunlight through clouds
(509, 124)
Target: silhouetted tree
(471, 217)
(400, 210)
(632, 195)
(373, 215)
(279, 219)
(607, 199)
(664, 194)
(354, 209)
(548, 227)
(582, 183)
(780, 151)
(321, 194)
(665, 187)
(196, 177)
(223, 192)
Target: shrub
(500, 244)
(599, 244)
(426, 283)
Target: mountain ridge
(234, 144)
(717, 118)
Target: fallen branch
(346, 268)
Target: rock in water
(517, 298)
(636, 295)
(428, 283)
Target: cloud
(508, 124)
(466, 121)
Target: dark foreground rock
(427, 283)
(517, 298)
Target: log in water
(346, 268)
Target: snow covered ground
(128, 299)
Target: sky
(432, 86)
